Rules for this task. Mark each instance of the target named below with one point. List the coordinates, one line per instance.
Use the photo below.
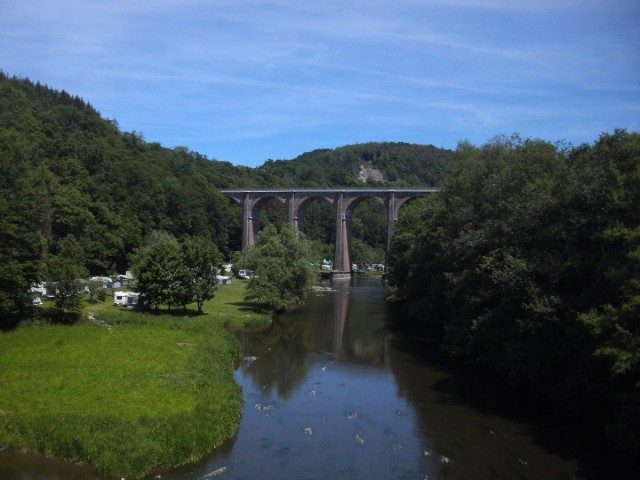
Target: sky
(246, 81)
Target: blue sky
(246, 81)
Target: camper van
(125, 299)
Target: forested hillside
(528, 263)
(78, 179)
(389, 164)
(74, 187)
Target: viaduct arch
(343, 201)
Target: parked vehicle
(246, 274)
(125, 299)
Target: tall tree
(202, 259)
(161, 273)
(281, 261)
(66, 270)
(21, 244)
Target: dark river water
(332, 393)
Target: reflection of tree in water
(281, 350)
(485, 429)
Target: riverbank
(126, 392)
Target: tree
(282, 265)
(66, 275)
(66, 270)
(202, 259)
(21, 244)
(612, 317)
(363, 254)
(93, 286)
(161, 273)
(20, 253)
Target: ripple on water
(215, 473)
(443, 459)
(265, 407)
(351, 414)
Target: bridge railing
(330, 189)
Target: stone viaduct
(343, 201)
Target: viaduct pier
(343, 201)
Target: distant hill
(389, 164)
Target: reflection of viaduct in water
(340, 315)
(343, 201)
(355, 347)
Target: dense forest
(77, 193)
(396, 164)
(528, 264)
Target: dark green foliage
(202, 259)
(401, 164)
(161, 274)
(281, 261)
(369, 223)
(71, 173)
(20, 241)
(528, 263)
(65, 273)
(171, 273)
(101, 294)
(364, 255)
(93, 286)
(65, 270)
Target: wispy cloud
(248, 80)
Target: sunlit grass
(226, 308)
(127, 371)
(140, 391)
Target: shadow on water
(490, 409)
(31, 467)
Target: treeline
(528, 263)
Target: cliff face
(369, 172)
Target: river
(331, 392)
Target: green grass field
(148, 391)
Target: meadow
(125, 391)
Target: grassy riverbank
(150, 390)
